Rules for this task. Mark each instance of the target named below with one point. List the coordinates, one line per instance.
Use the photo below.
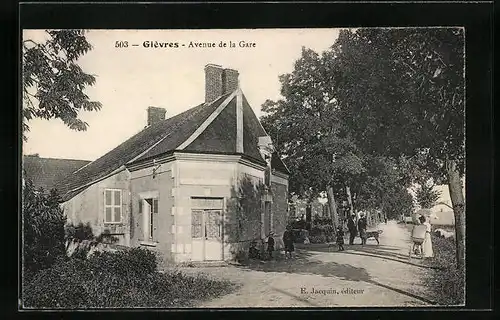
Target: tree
(406, 88)
(317, 146)
(43, 228)
(53, 82)
(426, 196)
(384, 186)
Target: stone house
(173, 187)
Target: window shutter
(108, 211)
(117, 202)
(155, 219)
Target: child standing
(270, 245)
(340, 238)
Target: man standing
(351, 226)
(362, 228)
(288, 241)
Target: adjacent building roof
(47, 172)
(167, 135)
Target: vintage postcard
(243, 168)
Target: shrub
(299, 235)
(135, 262)
(43, 228)
(83, 240)
(322, 221)
(79, 232)
(319, 238)
(60, 286)
(325, 232)
(116, 280)
(297, 224)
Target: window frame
(150, 225)
(113, 206)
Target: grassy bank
(447, 284)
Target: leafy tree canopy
(377, 95)
(306, 129)
(406, 88)
(53, 82)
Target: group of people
(288, 241)
(353, 229)
(288, 238)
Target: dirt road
(320, 276)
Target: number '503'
(121, 44)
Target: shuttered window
(112, 206)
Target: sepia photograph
(243, 168)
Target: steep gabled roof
(207, 128)
(173, 131)
(47, 172)
(208, 141)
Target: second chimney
(219, 81)
(155, 115)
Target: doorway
(206, 230)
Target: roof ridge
(49, 158)
(142, 130)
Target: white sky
(131, 79)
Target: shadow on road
(380, 252)
(304, 263)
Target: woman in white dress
(428, 252)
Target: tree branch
(445, 204)
(31, 41)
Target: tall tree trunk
(349, 200)
(333, 206)
(457, 200)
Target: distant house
(45, 173)
(168, 187)
(442, 212)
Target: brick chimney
(230, 80)
(219, 81)
(155, 115)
